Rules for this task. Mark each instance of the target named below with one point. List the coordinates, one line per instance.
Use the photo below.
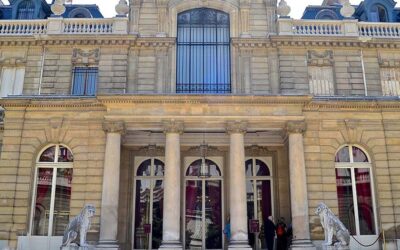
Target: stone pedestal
(110, 195)
(237, 187)
(298, 187)
(172, 187)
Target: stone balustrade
(59, 26)
(348, 27)
(87, 26)
(23, 27)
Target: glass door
(203, 208)
(149, 199)
(259, 199)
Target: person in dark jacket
(281, 236)
(269, 233)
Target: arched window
(354, 190)
(26, 10)
(149, 202)
(203, 52)
(52, 193)
(259, 195)
(379, 13)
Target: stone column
(172, 187)
(237, 187)
(110, 195)
(298, 187)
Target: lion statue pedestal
(332, 226)
(78, 226)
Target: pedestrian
(281, 234)
(269, 232)
(227, 229)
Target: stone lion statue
(332, 225)
(79, 224)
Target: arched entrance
(148, 204)
(259, 197)
(203, 210)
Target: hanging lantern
(204, 171)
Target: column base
(239, 245)
(108, 244)
(302, 244)
(171, 245)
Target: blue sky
(108, 6)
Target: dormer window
(379, 14)
(26, 10)
(326, 15)
(80, 13)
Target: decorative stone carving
(283, 9)
(173, 126)
(296, 127)
(114, 127)
(122, 8)
(388, 63)
(80, 56)
(347, 10)
(257, 151)
(332, 226)
(12, 61)
(56, 130)
(79, 224)
(316, 58)
(235, 127)
(198, 150)
(58, 7)
(151, 150)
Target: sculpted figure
(79, 224)
(332, 225)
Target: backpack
(280, 230)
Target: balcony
(349, 27)
(61, 26)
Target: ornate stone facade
(269, 116)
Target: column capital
(114, 127)
(236, 127)
(296, 127)
(173, 126)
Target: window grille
(203, 52)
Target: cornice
(155, 42)
(133, 40)
(333, 41)
(100, 103)
(251, 42)
(352, 106)
(41, 103)
(203, 99)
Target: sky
(107, 7)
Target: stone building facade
(308, 112)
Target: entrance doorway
(203, 223)
(148, 203)
(259, 196)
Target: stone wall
(148, 66)
(26, 133)
(375, 133)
